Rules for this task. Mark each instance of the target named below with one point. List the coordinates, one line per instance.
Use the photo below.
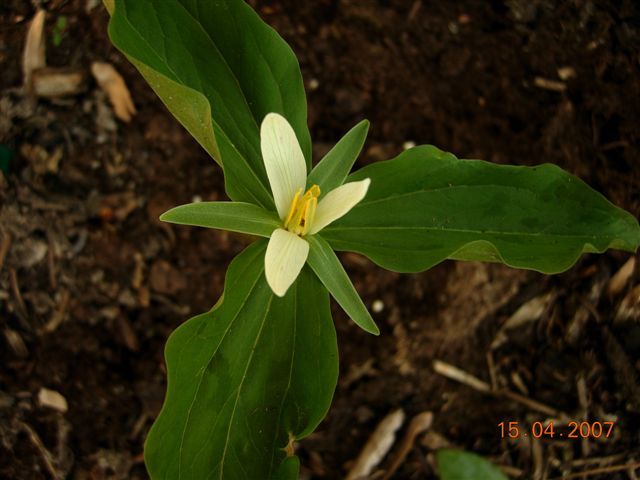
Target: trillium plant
(256, 373)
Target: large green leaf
(460, 465)
(219, 69)
(234, 216)
(426, 205)
(245, 378)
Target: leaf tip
(373, 330)
(167, 216)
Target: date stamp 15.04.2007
(549, 430)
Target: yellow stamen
(302, 211)
(294, 203)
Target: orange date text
(548, 430)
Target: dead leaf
(34, 54)
(112, 82)
(377, 446)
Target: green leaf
(234, 216)
(219, 69)
(288, 470)
(331, 171)
(245, 378)
(426, 205)
(329, 270)
(461, 465)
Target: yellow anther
(292, 209)
(302, 211)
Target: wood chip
(435, 441)
(57, 82)
(113, 84)
(16, 343)
(5, 245)
(547, 84)
(128, 333)
(621, 278)
(52, 399)
(528, 312)
(34, 54)
(377, 447)
(565, 73)
(629, 308)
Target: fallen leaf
(113, 84)
(377, 447)
(34, 54)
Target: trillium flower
(302, 212)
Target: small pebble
(196, 199)
(377, 306)
(408, 144)
(314, 83)
(565, 73)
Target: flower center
(302, 211)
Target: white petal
(338, 202)
(285, 257)
(283, 159)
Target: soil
(92, 284)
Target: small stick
(511, 471)
(598, 471)
(15, 288)
(538, 459)
(4, 248)
(51, 264)
(581, 462)
(532, 404)
(47, 458)
(547, 84)
(492, 370)
(454, 373)
(58, 315)
(419, 424)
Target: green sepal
(234, 216)
(330, 271)
(331, 171)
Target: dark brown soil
(93, 284)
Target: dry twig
(419, 424)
